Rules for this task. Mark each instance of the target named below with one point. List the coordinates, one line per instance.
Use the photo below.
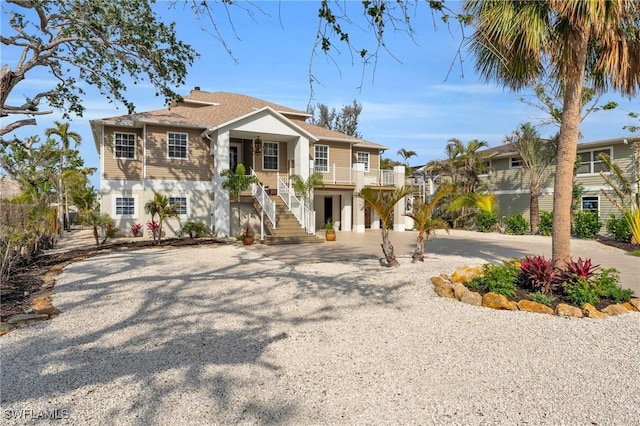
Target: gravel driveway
(219, 335)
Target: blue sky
(410, 100)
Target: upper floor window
(177, 145)
(125, 206)
(269, 155)
(591, 203)
(180, 203)
(363, 158)
(590, 163)
(124, 145)
(515, 163)
(321, 163)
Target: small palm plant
(237, 181)
(160, 207)
(425, 223)
(305, 187)
(383, 203)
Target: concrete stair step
(307, 239)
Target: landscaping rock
(459, 289)
(568, 311)
(498, 301)
(531, 306)
(5, 328)
(467, 274)
(442, 288)
(471, 298)
(23, 319)
(629, 307)
(635, 302)
(590, 311)
(615, 309)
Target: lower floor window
(125, 206)
(590, 204)
(180, 203)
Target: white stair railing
(267, 204)
(302, 213)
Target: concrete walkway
(491, 246)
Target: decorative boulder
(531, 306)
(471, 298)
(459, 289)
(467, 274)
(442, 288)
(498, 301)
(568, 311)
(590, 311)
(629, 307)
(615, 309)
(635, 302)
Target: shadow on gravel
(163, 333)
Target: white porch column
(358, 203)
(399, 209)
(221, 206)
(346, 215)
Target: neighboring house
(510, 182)
(181, 151)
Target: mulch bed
(15, 293)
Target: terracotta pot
(330, 236)
(247, 240)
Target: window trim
(277, 156)
(125, 216)
(517, 166)
(593, 160)
(186, 204)
(367, 167)
(135, 145)
(186, 157)
(315, 158)
(597, 199)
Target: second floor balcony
(347, 176)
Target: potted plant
(247, 235)
(329, 231)
(136, 230)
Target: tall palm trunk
(534, 209)
(387, 248)
(568, 143)
(418, 252)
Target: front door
(233, 157)
(328, 209)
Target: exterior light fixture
(256, 145)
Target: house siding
(122, 168)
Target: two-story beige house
(510, 181)
(181, 151)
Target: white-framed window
(181, 204)
(363, 158)
(125, 206)
(515, 163)
(590, 163)
(590, 203)
(124, 145)
(177, 145)
(269, 155)
(321, 162)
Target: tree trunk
(534, 210)
(567, 146)
(418, 253)
(96, 236)
(387, 248)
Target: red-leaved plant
(154, 227)
(135, 229)
(540, 273)
(579, 269)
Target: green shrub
(546, 223)
(586, 224)
(486, 221)
(194, 230)
(582, 291)
(517, 225)
(540, 297)
(499, 279)
(608, 285)
(619, 228)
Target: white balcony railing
(346, 175)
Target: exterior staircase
(288, 230)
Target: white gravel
(222, 335)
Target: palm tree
(467, 162)
(426, 224)
(305, 187)
(236, 183)
(570, 41)
(62, 131)
(383, 203)
(474, 203)
(160, 206)
(537, 155)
